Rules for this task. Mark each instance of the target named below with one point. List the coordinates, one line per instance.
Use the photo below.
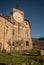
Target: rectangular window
(27, 43)
(6, 29)
(27, 33)
(0, 46)
(13, 43)
(13, 31)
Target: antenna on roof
(17, 5)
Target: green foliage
(15, 53)
(15, 57)
(30, 52)
(37, 63)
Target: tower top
(17, 5)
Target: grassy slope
(15, 57)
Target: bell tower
(17, 5)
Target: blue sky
(33, 10)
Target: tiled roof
(6, 17)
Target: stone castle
(15, 31)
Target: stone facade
(14, 35)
